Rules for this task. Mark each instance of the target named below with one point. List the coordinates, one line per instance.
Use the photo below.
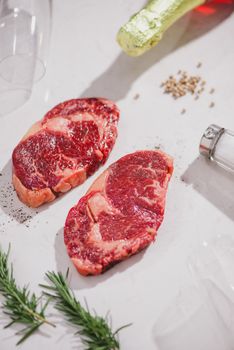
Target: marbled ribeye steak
(121, 212)
(64, 148)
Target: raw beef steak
(64, 148)
(121, 212)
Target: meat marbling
(121, 212)
(64, 148)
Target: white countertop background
(85, 60)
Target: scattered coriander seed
(183, 111)
(136, 96)
(199, 65)
(212, 91)
(212, 104)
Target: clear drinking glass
(25, 27)
(201, 317)
(192, 322)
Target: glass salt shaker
(217, 144)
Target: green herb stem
(20, 305)
(95, 331)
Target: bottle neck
(169, 11)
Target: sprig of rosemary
(95, 331)
(20, 305)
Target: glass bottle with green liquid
(146, 28)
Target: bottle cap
(209, 140)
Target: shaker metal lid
(209, 140)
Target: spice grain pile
(184, 83)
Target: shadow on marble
(9, 202)
(116, 81)
(213, 183)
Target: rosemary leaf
(29, 331)
(20, 305)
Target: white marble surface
(86, 61)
